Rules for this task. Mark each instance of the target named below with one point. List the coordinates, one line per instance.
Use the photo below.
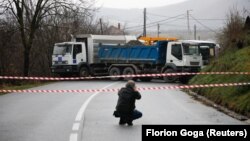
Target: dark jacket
(126, 100)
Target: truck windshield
(207, 49)
(190, 49)
(62, 49)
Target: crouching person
(125, 108)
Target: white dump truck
(69, 57)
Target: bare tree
(29, 15)
(233, 31)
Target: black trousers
(136, 114)
(131, 116)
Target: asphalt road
(88, 116)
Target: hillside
(212, 9)
(234, 98)
(212, 14)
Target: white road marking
(73, 137)
(76, 126)
(80, 114)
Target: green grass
(236, 98)
(21, 85)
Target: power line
(154, 25)
(174, 17)
(209, 19)
(174, 25)
(173, 20)
(213, 19)
(158, 15)
(156, 22)
(203, 24)
(151, 26)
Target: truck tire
(146, 79)
(113, 72)
(128, 71)
(84, 72)
(169, 79)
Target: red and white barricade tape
(123, 76)
(140, 89)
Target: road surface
(88, 116)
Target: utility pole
(158, 30)
(144, 23)
(119, 26)
(101, 26)
(188, 25)
(195, 31)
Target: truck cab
(67, 57)
(208, 49)
(182, 57)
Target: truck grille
(194, 63)
(60, 62)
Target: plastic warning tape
(121, 76)
(139, 89)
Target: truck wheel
(146, 79)
(113, 72)
(169, 79)
(128, 71)
(84, 72)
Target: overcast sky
(135, 3)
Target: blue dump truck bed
(155, 54)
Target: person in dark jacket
(125, 108)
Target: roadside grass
(236, 98)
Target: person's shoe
(122, 122)
(130, 123)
